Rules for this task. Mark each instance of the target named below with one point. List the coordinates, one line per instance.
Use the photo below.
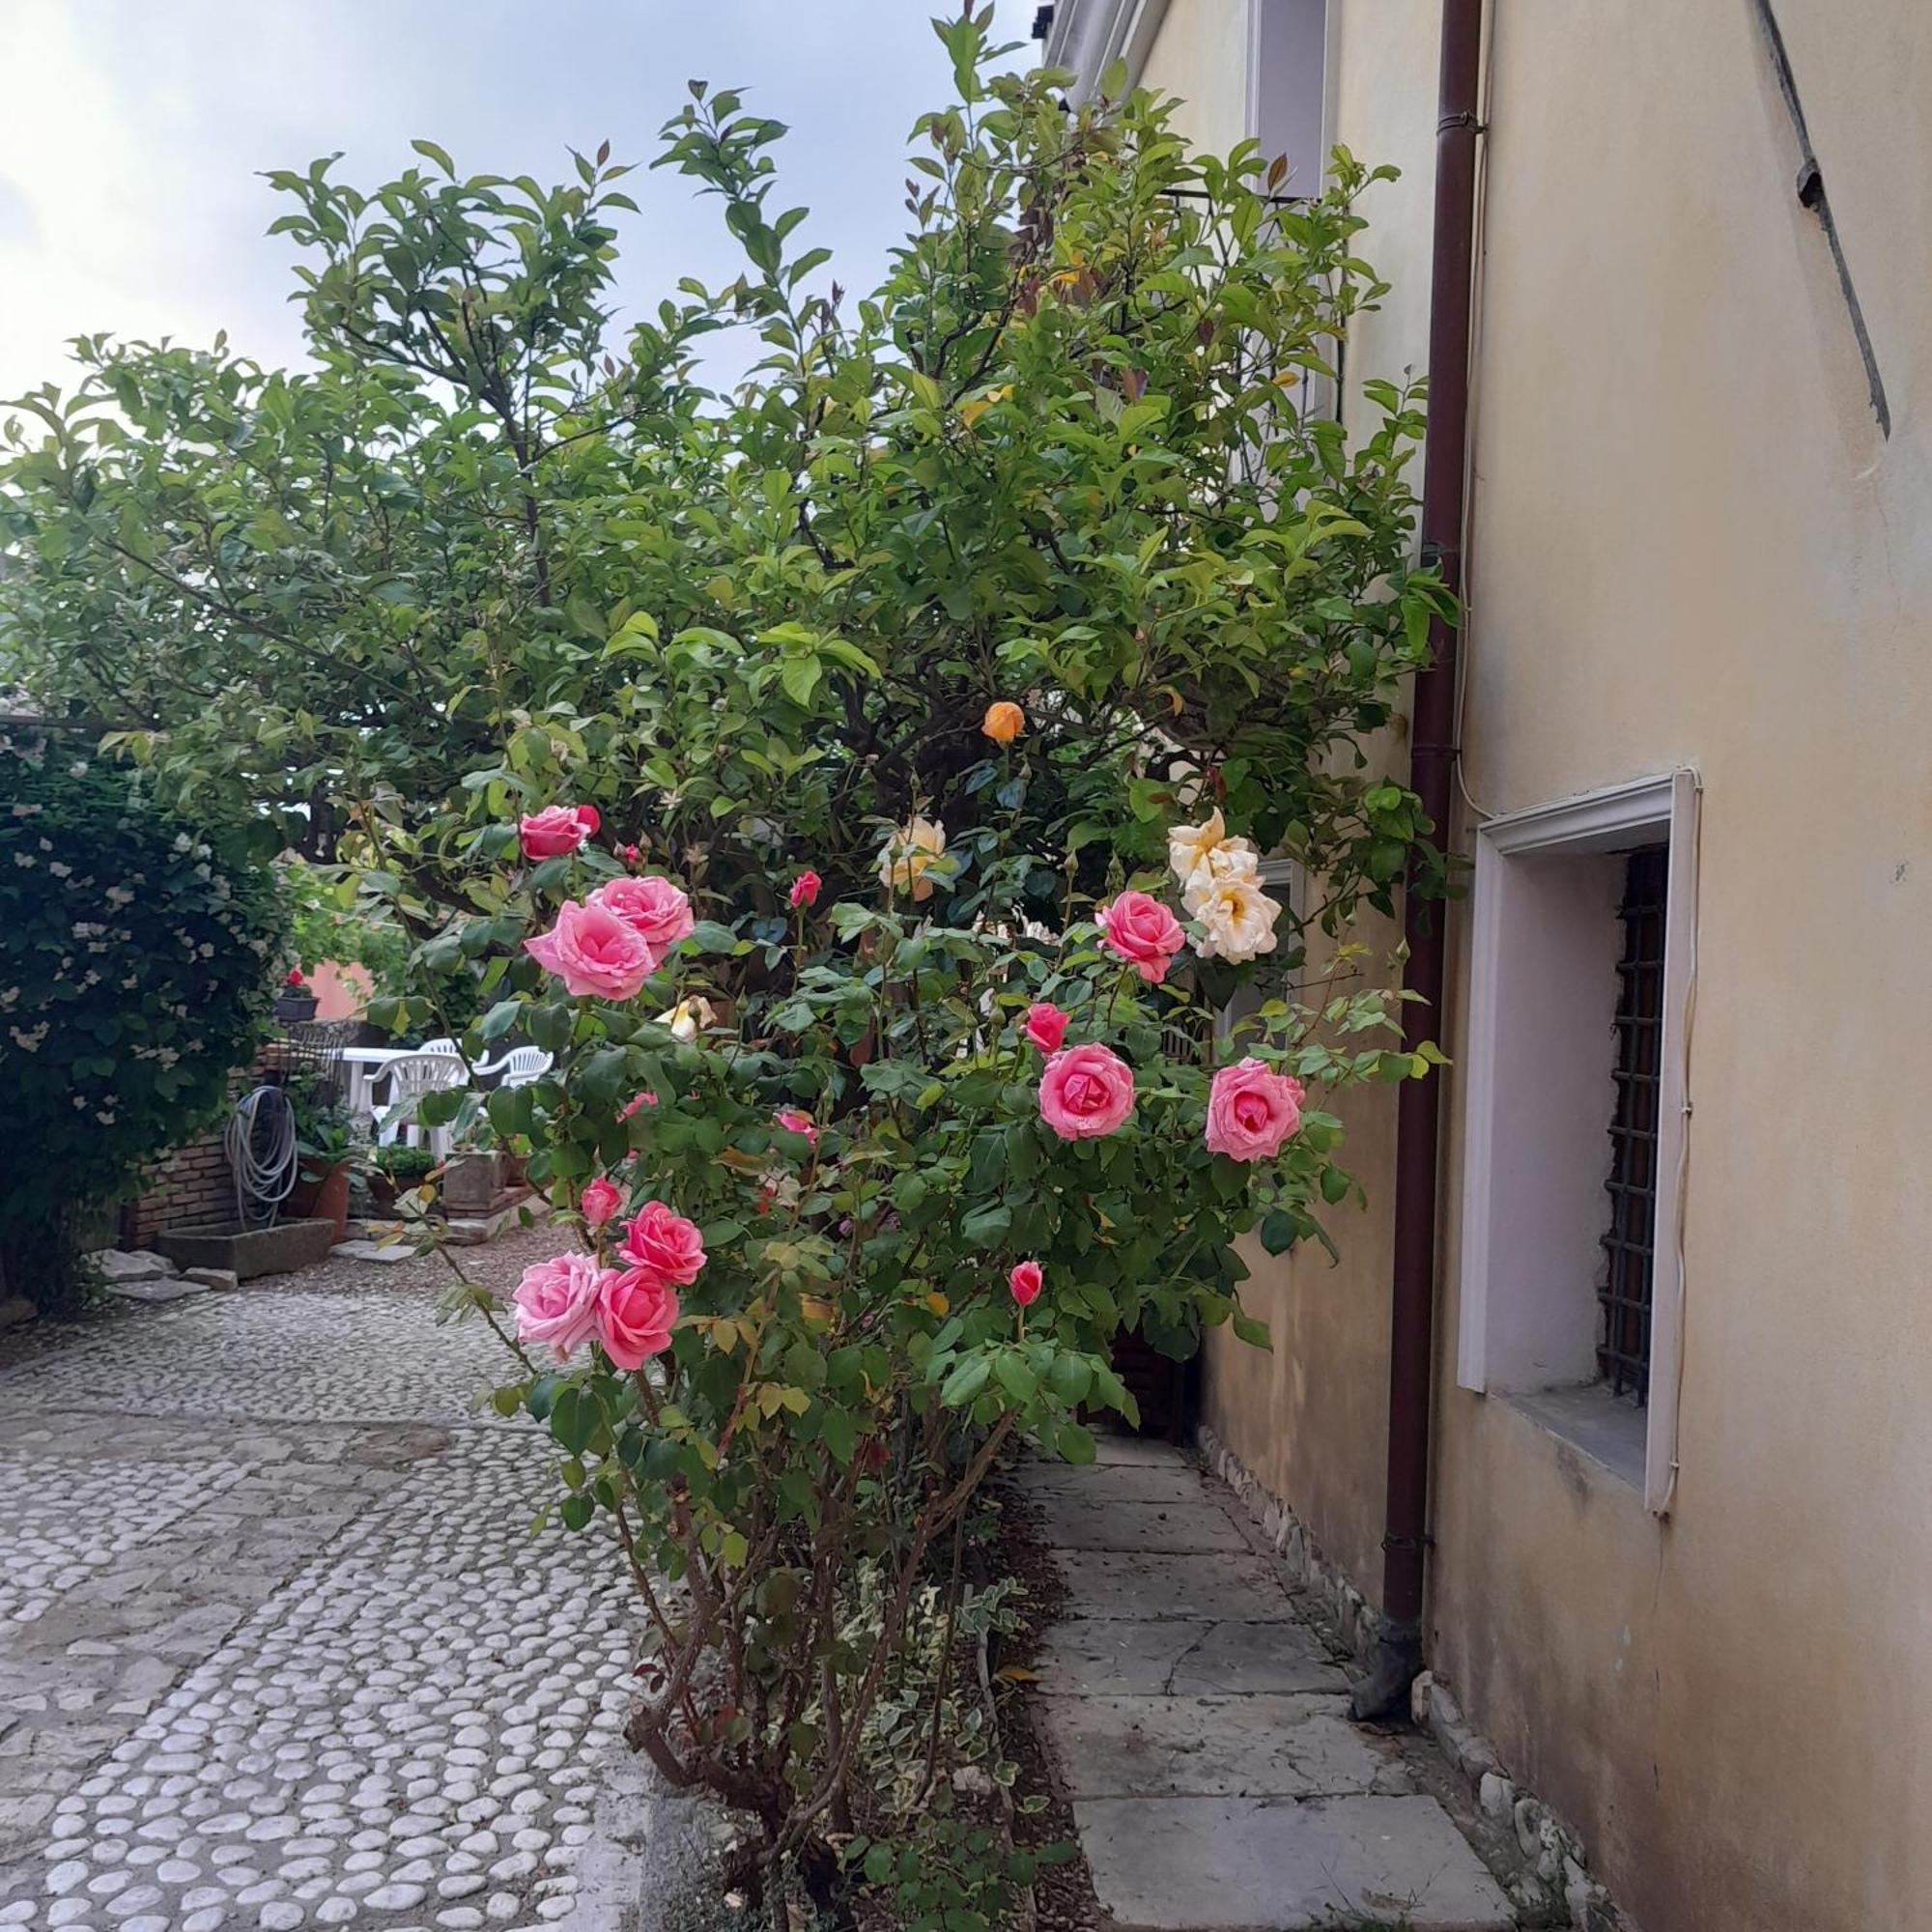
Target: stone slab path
(278, 1647)
(1201, 1729)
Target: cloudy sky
(132, 133)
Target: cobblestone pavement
(278, 1647)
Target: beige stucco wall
(1689, 544)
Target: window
(1575, 1123)
(1288, 86)
(1623, 1349)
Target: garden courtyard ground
(277, 1647)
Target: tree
(1067, 447)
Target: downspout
(1432, 771)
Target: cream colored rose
(1197, 853)
(1237, 916)
(908, 855)
(685, 1017)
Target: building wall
(1689, 544)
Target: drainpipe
(1432, 770)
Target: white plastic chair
(410, 1077)
(521, 1065)
(443, 1045)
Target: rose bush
(840, 1250)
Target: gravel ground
(278, 1647)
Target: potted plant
(396, 1169)
(326, 1153)
(296, 1001)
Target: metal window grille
(1623, 1352)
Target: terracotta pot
(326, 1198)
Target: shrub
(134, 976)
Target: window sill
(1610, 1432)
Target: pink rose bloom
(599, 1201)
(655, 908)
(636, 1101)
(795, 1123)
(556, 829)
(1025, 1283)
(663, 1242)
(1143, 932)
(636, 1312)
(556, 1301)
(804, 888)
(594, 951)
(1251, 1110)
(1085, 1092)
(1045, 1026)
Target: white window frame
(1599, 822)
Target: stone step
(1076, 1520)
(1120, 1656)
(1216, 1583)
(1263, 1745)
(1283, 1864)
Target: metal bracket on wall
(1811, 194)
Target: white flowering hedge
(135, 959)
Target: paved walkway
(277, 1646)
(1202, 1729)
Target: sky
(132, 135)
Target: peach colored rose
(1085, 1092)
(1045, 1026)
(1143, 932)
(599, 1202)
(594, 951)
(910, 854)
(1004, 721)
(1025, 1282)
(556, 1301)
(1251, 1110)
(556, 829)
(664, 1242)
(635, 1313)
(656, 910)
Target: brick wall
(188, 1188)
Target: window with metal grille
(1630, 1247)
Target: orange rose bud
(1003, 722)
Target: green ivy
(136, 951)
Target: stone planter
(292, 1006)
(471, 1184)
(248, 1252)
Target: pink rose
(635, 1313)
(556, 829)
(664, 1242)
(556, 1301)
(1045, 1026)
(1252, 1110)
(656, 910)
(594, 951)
(599, 1201)
(795, 1123)
(1143, 932)
(1085, 1092)
(636, 1101)
(804, 888)
(1025, 1283)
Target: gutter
(1431, 773)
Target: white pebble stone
(395, 1897)
(282, 1916)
